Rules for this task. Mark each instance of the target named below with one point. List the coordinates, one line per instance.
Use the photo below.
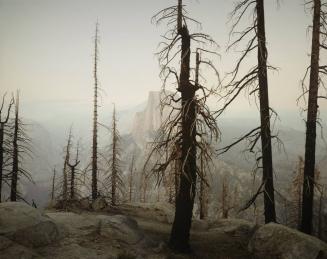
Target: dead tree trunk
(225, 199)
(203, 198)
(310, 144)
(114, 172)
(192, 118)
(72, 167)
(178, 170)
(95, 121)
(180, 234)
(255, 81)
(1, 156)
(53, 185)
(115, 180)
(3, 122)
(267, 167)
(65, 171)
(131, 180)
(15, 162)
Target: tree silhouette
(203, 197)
(114, 180)
(4, 119)
(95, 118)
(131, 177)
(189, 123)
(319, 43)
(65, 172)
(255, 82)
(20, 149)
(73, 171)
(53, 185)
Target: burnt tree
(3, 125)
(20, 149)
(65, 194)
(319, 38)
(53, 185)
(15, 156)
(255, 82)
(73, 171)
(131, 177)
(114, 180)
(189, 119)
(95, 118)
(203, 196)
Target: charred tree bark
(267, 167)
(178, 169)
(95, 121)
(15, 162)
(180, 234)
(310, 144)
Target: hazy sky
(46, 48)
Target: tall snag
(73, 171)
(131, 179)
(95, 119)
(189, 123)
(203, 197)
(53, 185)
(255, 82)
(65, 172)
(114, 180)
(319, 43)
(20, 149)
(3, 123)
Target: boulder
(160, 211)
(26, 225)
(277, 241)
(234, 227)
(82, 224)
(119, 227)
(99, 204)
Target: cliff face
(148, 121)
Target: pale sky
(46, 48)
